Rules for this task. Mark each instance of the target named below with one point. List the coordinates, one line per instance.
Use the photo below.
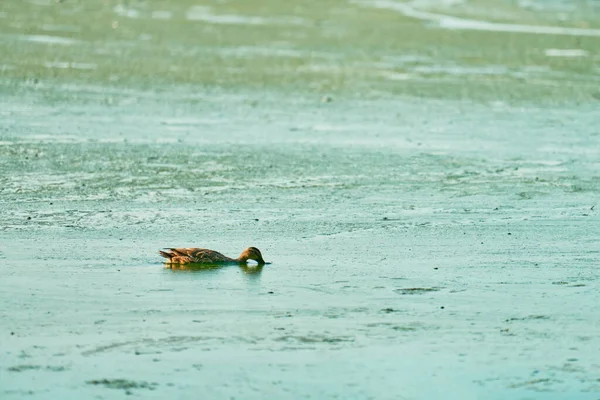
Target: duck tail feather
(178, 252)
(165, 254)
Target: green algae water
(423, 177)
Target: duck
(196, 255)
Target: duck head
(252, 253)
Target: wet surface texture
(431, 217)
(477, 49)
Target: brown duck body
(205, 256)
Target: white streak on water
(462, 70)
(407, 59)
(438, 3)
(449, 22)
(201, 13)
(67, 65)
(46, 39)
(121, 11)
(566, 53)
(273, 50)
(245, 51)
(394, 76)
(320, 68)
(205, 14)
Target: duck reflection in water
(250, 269)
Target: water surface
(430, 210)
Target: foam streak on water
(455, 23)
(205, 14)
(47, 39)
